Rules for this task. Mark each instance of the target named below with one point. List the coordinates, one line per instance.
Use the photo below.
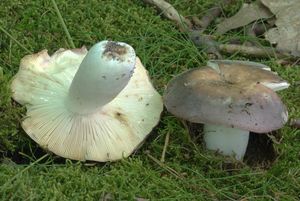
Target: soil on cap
(115, 51)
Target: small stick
(199, 39)
(197, 22)
(63, 24)
(295, 123)
(206, 42)
(210, 15)
(257, 29)
(163, 154)
(164, 166)
(252, 51)
(171, 13)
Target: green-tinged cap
(233, 94)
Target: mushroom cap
(109, 134)
(231, 94)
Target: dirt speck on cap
(115, 51)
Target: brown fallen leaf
(287, 33)
(247, 14)
(209, 44)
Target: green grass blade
(16, 41)
(63, 24)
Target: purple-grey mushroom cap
(233, 95)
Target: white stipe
(103, 73)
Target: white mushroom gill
(98, 105)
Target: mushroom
(87, 105)
(230, 98)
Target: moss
(165, 53)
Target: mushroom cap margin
(42, 85)
(203, 96)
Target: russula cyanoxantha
(87, 105)
(230, 98)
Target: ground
(189, 172)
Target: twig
(197, 22)
(274, 139)
(210, 15)
(257, 29)
(164, 166)
(206, 42)
(179, 176)
(163, 154)
(199, 39)
(11, 37)
(63, 24)
(252, 51)
(171, 13)
(191, 137)
(207, 19)
(295, 123)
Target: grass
(189, 172)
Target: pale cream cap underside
(42, 85)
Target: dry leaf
(287, 33)
(247, 14)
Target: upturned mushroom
(87, 105)
(231, 98)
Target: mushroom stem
(103, 73)
(226, 140)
